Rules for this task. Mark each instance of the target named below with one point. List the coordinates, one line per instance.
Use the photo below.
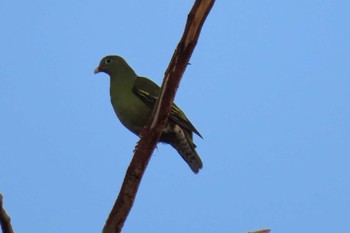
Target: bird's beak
(97, 70)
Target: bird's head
(111, 64)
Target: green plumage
(133, 99)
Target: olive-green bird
(133, 99)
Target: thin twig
(150, 136)
(261, 231)
(5, 220)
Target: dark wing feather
(148, 92)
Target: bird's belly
(133, 116)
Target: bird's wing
(148, 92)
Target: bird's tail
(187, 149)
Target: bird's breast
(132, 113)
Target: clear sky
(268, 87)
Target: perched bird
(133, 99)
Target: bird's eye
(108, 60)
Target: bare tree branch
(5, 220)
(150, 136)
(261, 231)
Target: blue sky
(268, 88)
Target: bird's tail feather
(186, 148)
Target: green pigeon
(133, 99)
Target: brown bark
(5, 220)
(151, 134)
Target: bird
(133, 99)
